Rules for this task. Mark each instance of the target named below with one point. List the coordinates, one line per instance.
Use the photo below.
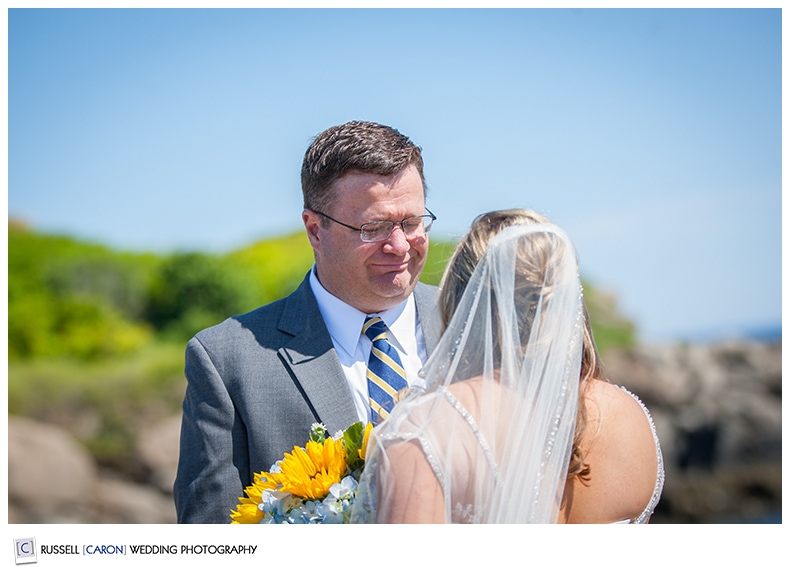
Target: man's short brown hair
(359, 146)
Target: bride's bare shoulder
(468, 392)
(616, 419)
(618, 445)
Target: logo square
(25, 550)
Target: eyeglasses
(381, 230)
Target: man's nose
(397, 242)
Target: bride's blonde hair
(534, 264)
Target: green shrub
(67, 297)
(191, 291)
(277, 265)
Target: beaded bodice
(464, 512)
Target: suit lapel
(426, 299)
(311, 358)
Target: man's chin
(396, 288)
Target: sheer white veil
(494, 422)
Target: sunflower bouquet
(314, 484)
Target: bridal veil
(490, 426)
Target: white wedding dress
(491, 426)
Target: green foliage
(83, 328)
(191, 291)
(277, 265)
(439, 254)
(72, 298)
(610, 329)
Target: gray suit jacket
(256, 383)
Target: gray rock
(157, 448)
(728, 393)
(123, 502)
(51, 477)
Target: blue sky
(653, 136)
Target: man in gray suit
(258, 381)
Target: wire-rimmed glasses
(374, 231)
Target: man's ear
(311, 225)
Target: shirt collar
(344, 322)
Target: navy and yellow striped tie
(386, 377)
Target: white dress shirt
(344, 323)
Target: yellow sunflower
(247, 511)
(309, 472)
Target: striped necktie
(386, 376)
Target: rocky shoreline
(717, 410)
(718, 414)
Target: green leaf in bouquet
(352, 438)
